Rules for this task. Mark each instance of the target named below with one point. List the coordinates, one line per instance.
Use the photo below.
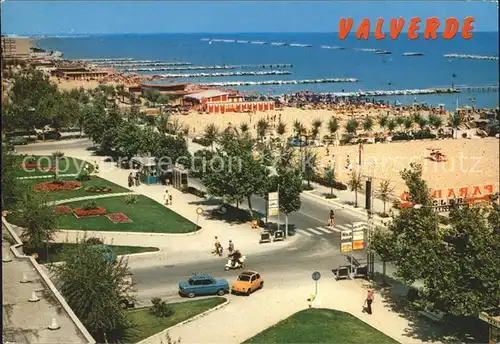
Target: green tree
(466, 251)
(316, 126)
(382, 244)
(129, 139)
(330, 179)
(351, 127)
(38, 220)
(356, 184)
(333, 127)
(244, 127)
(422, 123)
(382, 122)
(309, 164)
(281, 129)
(368, 124)
(262, 128)
(211, 134)
(152, 95)
(391, 125)
(95, 289)
(400, 120)
(408, 124)
(298, 128)
(384, 191)
(290, 182)
(11, 187)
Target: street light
(273, 172)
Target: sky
(118, 17)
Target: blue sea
(375, 72)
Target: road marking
(314, 231)
(301, 231)
(334, 229)
(344, 228)
(324, 229)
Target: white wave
(471, 57)
(332, 47)
(213, 67)
(366, 49)
(300, 45)
(258, 42)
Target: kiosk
(179, 178)
(148, 169)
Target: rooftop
(25, 321)
(207, 94)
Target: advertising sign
(346, 247)
(346, 235)
(273, 204)
(358, 244)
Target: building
(16, 47)
(174, 92)
(217, 101)
(79, 73)
(493, 326)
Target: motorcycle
(239, 264)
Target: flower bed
(79, 212)
(62, 209)
(98, 189)
(29, 165)
(118, 218)
(58, 185)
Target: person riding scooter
(235, 257)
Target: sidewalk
(346, 198)
(222, 326)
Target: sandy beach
(470, 162)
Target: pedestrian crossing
(321, 230)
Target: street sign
(358, 235)
(346, 247)
(199, 211)
(346, 235)
(273, 204)
(316, 276)
(358, 244)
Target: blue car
(203, 284)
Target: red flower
(91, 212)
(118, 218)
(62, 209)
(53, 186)
(29, 165)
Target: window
(244, 278)
(198, 282)
(191, 281)
(257, 276)
(253, 278)
(207, 282)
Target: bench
(436, 316)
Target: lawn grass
(146, 325)
(146, 214)
(67, 165)
(321, 326)
(56, 249)
(66, 194)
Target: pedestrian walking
(368, 302)
(165, 197)
(230, 247)
(331, 220)
(170, 199)
(130, 180)
(137, 179)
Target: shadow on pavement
(450, 329)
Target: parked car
(247, 283)
(203, 284)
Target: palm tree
(351, 126)
(391, 125)
(416, 117)
(382, 122)
(316, 125)
(384, 191)
(422, 123)
(356, 185)
(455, 121)
(162, 123)
(408, 123)
(333, 127)
(368, 124)
(309, 165)
(262, 127)
(211, 134)
(298, 128)
(435, 121)
(281, 129)
(244, 127)
(400, 120)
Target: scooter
(238, 265)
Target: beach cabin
(148, 169)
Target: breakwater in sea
(212, 75)
(213, 67)
(471, 57)
(141, 63)
(385, 93)
(107, 60)
(279, 82)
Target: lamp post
(273, 173)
